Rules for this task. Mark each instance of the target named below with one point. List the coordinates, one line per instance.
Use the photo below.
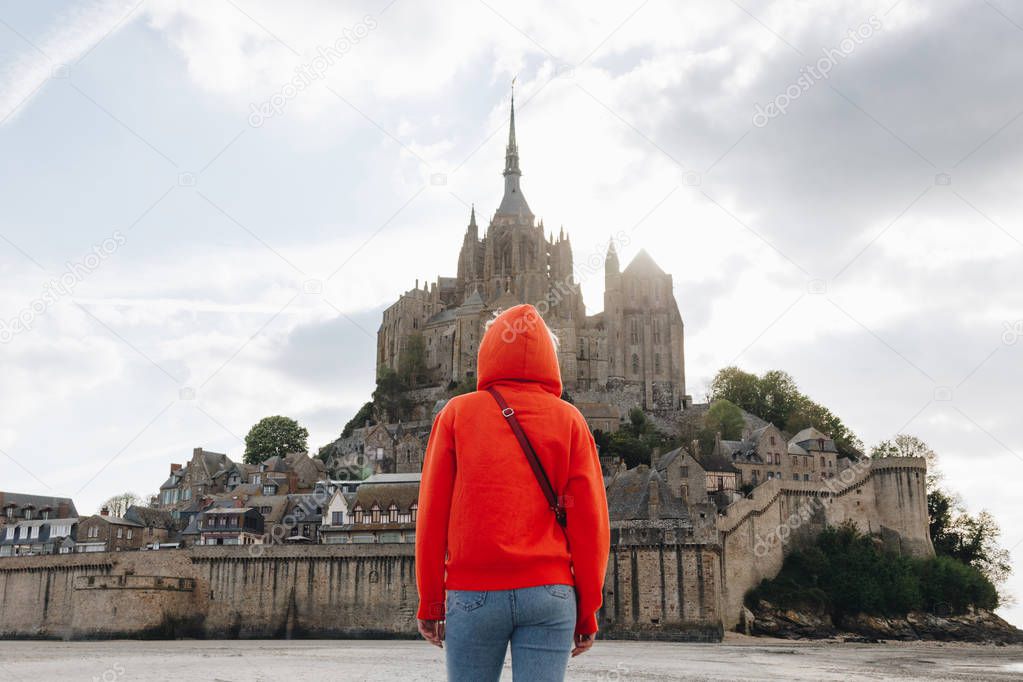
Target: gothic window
(635, 364)
(657, 331)
(657, 363)
(633, 332)
(582, 349)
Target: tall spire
(513, 202)
(511, 155)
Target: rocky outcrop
(767, 619)
(978, 626)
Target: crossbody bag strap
(534, 461)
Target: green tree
(776, 398)
(971, 539)
(844, 573)
(741, 388)
(726, 418)
(390, 396)
(364, 414)
(412, 360)
(272, 436)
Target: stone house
(759, 455)
(105, 533)
(207, 473)
(600, 416)
(684, 475)
(813, 456)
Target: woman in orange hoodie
(494, 564)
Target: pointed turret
(611, 261)
(513, 202)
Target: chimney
(696, 449)
(655, 456)
(654, 499)
(175, 467)
(717, 442)
(105, 511)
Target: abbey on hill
(635, 345)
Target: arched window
(633, 332)
(635, 364)
(657, 363)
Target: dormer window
(28, 513)
(375, 513)
(392, 513)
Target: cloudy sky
(205, 207)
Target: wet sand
(739, 658)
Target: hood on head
(517, 347)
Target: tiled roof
(628, 496)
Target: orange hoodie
(480, 505)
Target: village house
(139, 527)
(35, 524)
(814, 456)
(758, 456)
(230, 525)
(382, 510)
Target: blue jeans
(538, 621)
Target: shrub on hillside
(845, 573)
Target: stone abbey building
(635, 344)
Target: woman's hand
(583, 643)
(433, 632)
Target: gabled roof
(21, 500)
(628, 496)
(115, 520)
(643, 264)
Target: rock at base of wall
(977, 626)
(769, 620)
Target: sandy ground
(739, 658)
